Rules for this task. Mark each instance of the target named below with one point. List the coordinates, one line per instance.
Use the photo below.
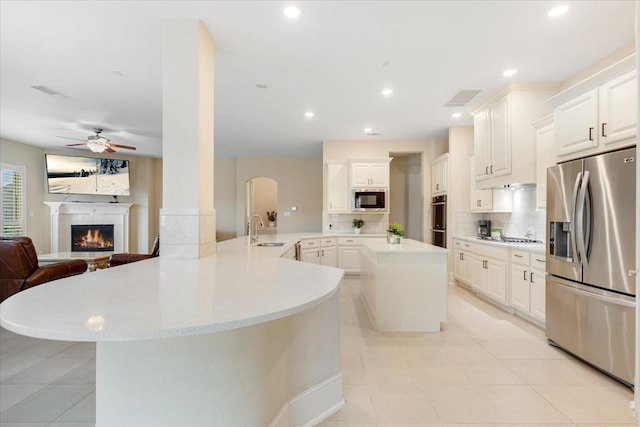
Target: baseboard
(312, 405)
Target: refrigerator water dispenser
(560, 240)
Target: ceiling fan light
(96, 147)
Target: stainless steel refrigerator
(590, 287)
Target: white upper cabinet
(598, 114)
(479, 200)
(337, 187)
(500, 142)
(440, 175)
(545, 157)
(372, 173)
(481, 137)
(618, 109)
(504, 141)
(577, 122)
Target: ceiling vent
(461, 98)
(50, 92)
(373, 134)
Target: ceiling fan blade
(110, 150)
(73, 145)
(66, 137)
(128, 147)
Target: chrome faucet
(253, 237)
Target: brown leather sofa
(119, 259)
(19, 268)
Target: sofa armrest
(119, 259)
(56, 271)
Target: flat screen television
(87, 175)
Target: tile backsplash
(341, 223)
(523, 218)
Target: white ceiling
(330, 60)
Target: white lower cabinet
(321, 250)
(350, 254)
(514, 277)
(528, 283)
(463, 262)
(538, 287)
(490, 272)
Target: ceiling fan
(98, 144)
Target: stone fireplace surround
(65, 214)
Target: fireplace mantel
(66, 214)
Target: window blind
(12, 181)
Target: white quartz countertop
(531, 247)
(240, 286)
(407, 246)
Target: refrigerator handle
(574, 246)
(582, 231)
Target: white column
(187, 217)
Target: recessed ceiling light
(309, 114)
(510, 72)
(387, 91)
(291, 12)
(368, 130)
(557, 11)
(456, 115)
(261, 86)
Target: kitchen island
(404, 286)
(243, 337)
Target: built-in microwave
(369, 200)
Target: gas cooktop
(506, 239)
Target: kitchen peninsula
(243, 337)
(404, 286)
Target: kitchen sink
(271, 244)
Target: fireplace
(92, 238)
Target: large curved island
(242, 338)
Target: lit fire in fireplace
(93, 239)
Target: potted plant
(395, 233)
(271, 216)
(357, 225)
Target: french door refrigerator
(590, 286)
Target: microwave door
(610, 216)
(563, 189)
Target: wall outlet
(287, 213)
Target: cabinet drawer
(462, 245)
(520, 257)
(349, 241)
(490, 252)
(538, 262)
(310, 243)
(327, 241)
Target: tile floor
(486, 368)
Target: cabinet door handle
(318, 253)
(603, 125)
(524, 276)
(531, 277)
(437, 186)
(590, 134)
(519, 256)
(491, 169)
(486, 170)
(540, 260)
(323, 252)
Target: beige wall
(37, 212)
(299, 184)
(224, 196)
(146, 191)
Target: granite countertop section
(241, 285)
(531, 247)
(407, 246)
